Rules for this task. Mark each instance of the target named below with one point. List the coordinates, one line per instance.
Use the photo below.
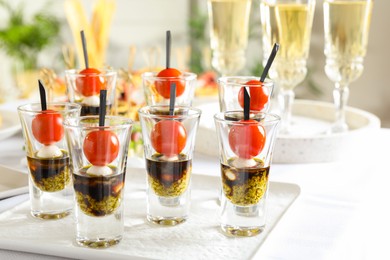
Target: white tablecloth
(342, 212)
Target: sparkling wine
(289, 25)
(346, 35)
(229, 22)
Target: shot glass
(85, 89)
(168, 146)
(246, 149)
(50, 181)
(156, 89)
(99, 156)
(231, 93)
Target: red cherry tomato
(164, 87)
(168, 137)
(91, 83)
(247, 139)
(47, 127)
(101, 147)
(258, 97)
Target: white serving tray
(308, 143)
(12, 182)
(198, 238)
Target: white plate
(198, 238)
(10, 123)
(308, 143)
(12, 182)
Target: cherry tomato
(47, 127)
(101, 147)
(90, 84)
(247, 139)
(168, 137)
(258, 97)
(164, 87)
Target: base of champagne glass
(237, 231)
(98, 243)
(57, 215)
(163, 221)
(338, 128)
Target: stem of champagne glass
(286, 99)
(340, 96)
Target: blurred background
(41, 34)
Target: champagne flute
(346, 24)
(289, 23)
(229, 25)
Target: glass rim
(270, 118)
(142, 111)
(185, 75)
(70, 107)
(125, 122)
(103, 72)
(226, 80)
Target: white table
(342, 212)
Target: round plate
(10, 123)
(308, 142)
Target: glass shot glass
(85, 88)
(246, 148)
(168, 146)
(157, 89)
(99, 157)
(50, 181)
(231, 93)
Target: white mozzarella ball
(243, 163)
(169, 158)
(99, 170)
(93, 101)
(49, 151)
